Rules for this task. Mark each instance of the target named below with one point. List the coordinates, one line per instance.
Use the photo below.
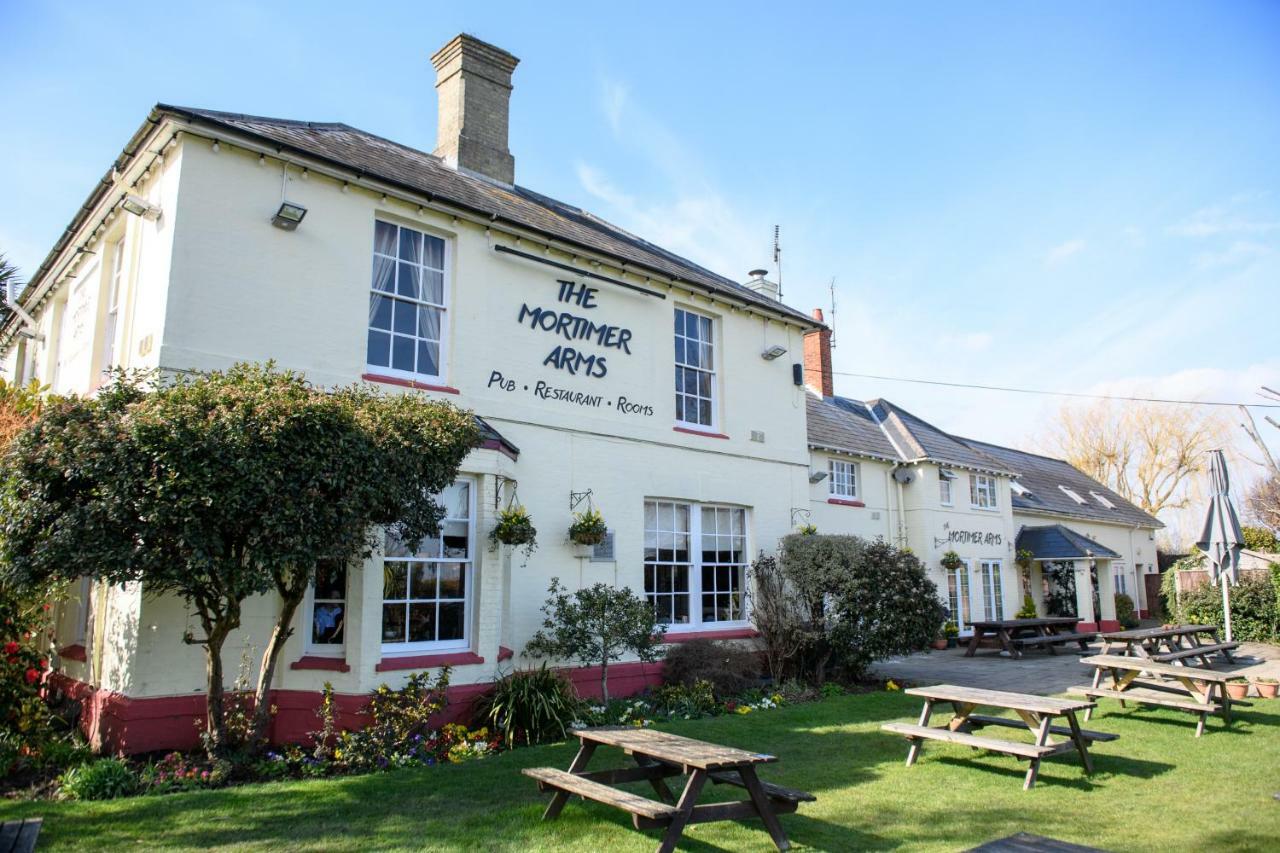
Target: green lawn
(1156, 788)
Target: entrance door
(1154, 608)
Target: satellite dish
(903, 475)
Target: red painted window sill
(723, 634)
(408, 383)
(320, 662)
(843, 502)
(428, 661)
(505, 653)
(702, 433)
(76, 652)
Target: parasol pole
(1226, 604)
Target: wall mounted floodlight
(773, 352)
(289, 216)
(139, 206)
(817, 476)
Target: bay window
(695, 563)
(426, 585)
(695, 370)
(407, 303)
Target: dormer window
(1073, 495)
(1102, 499)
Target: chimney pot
(473, 87)
(758, 273)
(761, 285)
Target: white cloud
(1239, 252)
(1224, 219)
(613, 100)
(1061, 252)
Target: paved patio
(1037, 671)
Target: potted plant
(951, 561)
(951, 631)
(1238, 688)
(588, 528)
(807, 530)
(940, 641)
(1028, 610)
(515, 527)
(1266, 687)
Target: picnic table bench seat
(1194, 652)
(773, 791)
(1144, 681)
(550, 778)
(1009, 747)
(19, 836)
(979, 720)
(1055, 639)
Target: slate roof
(882, 430)
(918, 440)
(424, 173)
(1055, 542)
(1042, 475)
(491, 438)
(837, 423)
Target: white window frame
(946, 493)
(111, 296)
(84, 612)
(1073, 495)
(992, 581)
(959, 596)
(695, 566)
(842, 474)
(980, 486)
(710, 371)
(391, 650)
(442, 359)
(329, 649)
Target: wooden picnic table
(1035, 713)
(658, 756)
(1175, 644)
(1149, 682)
(1015, 634)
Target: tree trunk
(266, 672)
(216, 720)
(604, 680)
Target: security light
(139, 206)
(817, 476)
(288, 216)
(773, 352)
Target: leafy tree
(1260, 539)
(595, 626)
(220, 487)
(865, 600)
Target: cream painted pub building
(878, 471)
(606, 371)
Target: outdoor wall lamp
(773, 352)
(139, 206)
(289, 216)
(817, 476)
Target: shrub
(695, 700)
(1254, 615)
(178, 772)
(864, 600)
(729, 669)
(781, 616)
(596, 626)
(1126, 614)
(529, 706)
(399, 724)
(105, 779)
(1028, 610)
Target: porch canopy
(1056, 542)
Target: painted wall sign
(968, 537)
(574, 328)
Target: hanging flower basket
(515, 527)
(951, 561)
(588, 528)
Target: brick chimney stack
(473, 86)
(817, 359)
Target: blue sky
(1053, 195)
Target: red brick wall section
(116, 723)
(817, 358)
